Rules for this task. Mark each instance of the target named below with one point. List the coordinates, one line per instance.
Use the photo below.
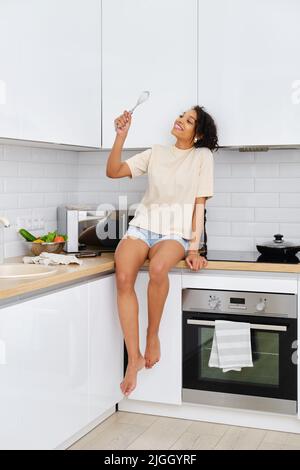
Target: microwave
(90, 228)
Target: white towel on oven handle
(231, 348)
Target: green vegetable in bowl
(27, 235)
(48, 238)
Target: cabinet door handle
(253, 326)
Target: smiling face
(185, 126)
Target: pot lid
(278, 242)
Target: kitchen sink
(14, 271)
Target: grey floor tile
(239, 438)
(116, 437)
(185, 441)
(162, 434)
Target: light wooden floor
(138, 431)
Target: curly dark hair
(205, 127)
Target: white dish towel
(52, 259)
(231, 348)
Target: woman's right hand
(122, 123)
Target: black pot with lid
(278, 248)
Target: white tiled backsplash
(256, 194)
(33, 181)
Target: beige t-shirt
(175, 178)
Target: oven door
(274, 371)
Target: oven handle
(253, 326)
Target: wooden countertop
(104, 264)
(64, 274)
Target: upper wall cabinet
(50, 71)
(148, 45)
(249, 70)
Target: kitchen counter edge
(104, 264)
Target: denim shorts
(151, 238)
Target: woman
(167, 224)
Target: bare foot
(152, 352)
(129, 382)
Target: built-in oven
(271, 384)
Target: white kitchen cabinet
(50, 71)
(61, 364)
(105, 347)
(296, 354)
(44, 370)
(249, 71)
(148, 45)
(162, 383)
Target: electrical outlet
(21, 223)
(36, 223)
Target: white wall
(256, 195)
(94, 186)
(33, 181)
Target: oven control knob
(260, 307)
(214, 302)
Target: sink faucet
(6, 223)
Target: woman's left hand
(195, 261)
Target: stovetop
(226, 255)
(246, 256)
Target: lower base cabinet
(162, 383)
(105, 347)
(60, 364)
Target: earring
(195, 139)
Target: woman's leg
(163, 256)
(129, 257)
